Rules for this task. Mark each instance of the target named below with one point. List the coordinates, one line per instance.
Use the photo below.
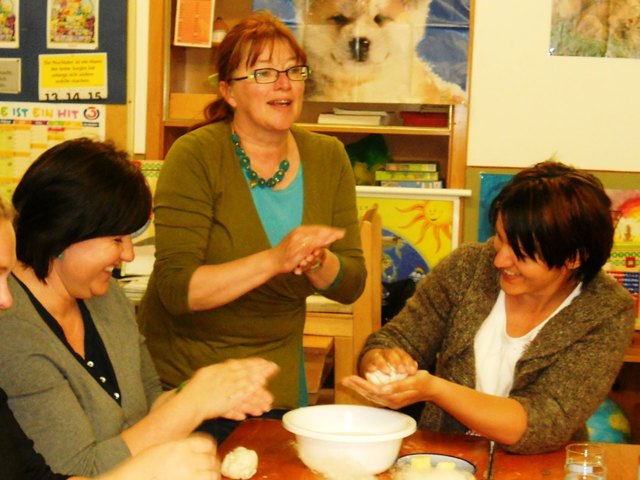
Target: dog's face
(361, 38)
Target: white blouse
(497, 353)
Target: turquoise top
(280, 212)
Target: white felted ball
(379, 378)
(240, 463)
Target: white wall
(526, 105)
(140, 77)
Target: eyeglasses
(297, 73)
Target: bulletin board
(112, 32)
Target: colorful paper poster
(624, 263)
(595, 28)
(419, 228)
(626, 241)
(28, 129)
(413, 52)
(73, 24)
(194, 23)
(9, 23)
(75, 76)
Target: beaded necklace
(252, 175)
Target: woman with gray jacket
(526, 332)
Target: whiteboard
(525, 105)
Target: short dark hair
(557, 213)
(75, 191)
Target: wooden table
(278, 458)
(621, 460)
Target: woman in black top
(193, 458)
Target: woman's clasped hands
(416, 387)
(232, 389)
(304, 249)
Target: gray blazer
(561, 378)
(73, 422)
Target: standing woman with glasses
(252, 215)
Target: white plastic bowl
(348, 439)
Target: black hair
(557, 213)
(75, 191)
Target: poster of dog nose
(381, 51)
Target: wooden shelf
(383, 129)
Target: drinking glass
(584, 461)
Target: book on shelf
(348, 111)
(411, 167)
(342, 116)
(406, 175)
(412, 183)
(338, 119)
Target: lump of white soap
(240, 463)
(421, 468)
(448, 466)
(378, 378)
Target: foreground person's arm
(501, 419)
(193, 458)
(232, 389)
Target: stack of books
(341, 116)
(410, 175)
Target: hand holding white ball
(377, 377)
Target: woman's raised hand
(398, 394)
(232, 389)
(385, 359)
(304, 247)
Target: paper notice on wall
(194, 23)
(80, 76)
(10, 75)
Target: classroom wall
(526, 105)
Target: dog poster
(381, 51)
(595, 28)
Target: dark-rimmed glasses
(297, 73)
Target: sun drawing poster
(416, 233)
(381, 51)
